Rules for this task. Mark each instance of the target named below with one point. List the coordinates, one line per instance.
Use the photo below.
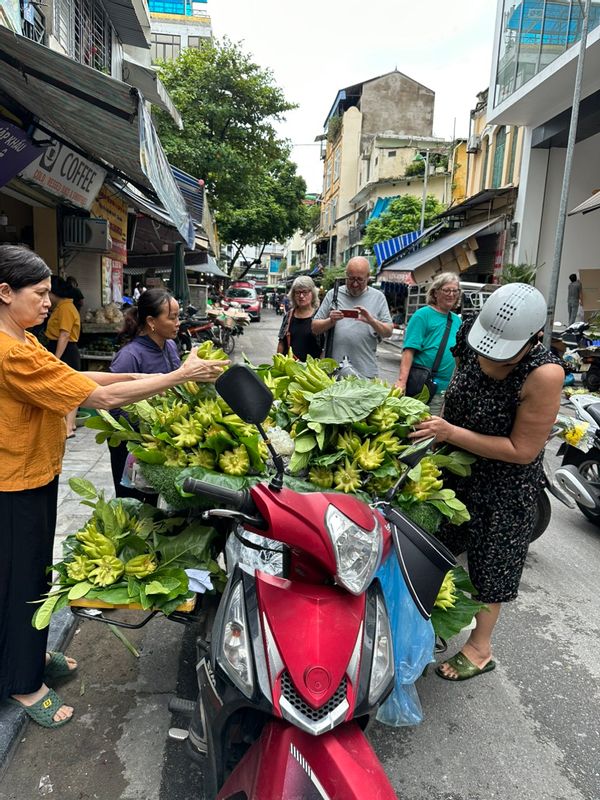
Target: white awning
(591, 204)
(147, 81)
(432, 251)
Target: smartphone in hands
(351, 313)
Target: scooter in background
(579, 474)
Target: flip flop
(43, 711)
(464, 668)
(58, 667)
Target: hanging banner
(156, 168)
(117, 281)
(16, 151)
(499, 257)
(111, 207)
(63, 172)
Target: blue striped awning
(192, 191)
(391, 247)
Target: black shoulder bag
(419, 376)
(328, 348)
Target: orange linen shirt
(36, 391)
(65, 317)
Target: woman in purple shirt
(149, 330)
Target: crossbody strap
(443, 343)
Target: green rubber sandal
(43, 711)
(464, 668)
(58, 667)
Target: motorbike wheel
(543, 512)
(227, 342)
(184, 343)
(590, 471)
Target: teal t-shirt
(423, 335)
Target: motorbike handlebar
(239, 500)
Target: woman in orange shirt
(37, 390)
(62, 332)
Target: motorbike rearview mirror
(245, 393)
(251, 400)
(410, 457)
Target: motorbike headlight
(382, 668)
(357, 551)
(234, 654)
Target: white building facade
(536, 47)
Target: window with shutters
(64, 24)
(499, 158)
(92, 35)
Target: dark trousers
(28, 522)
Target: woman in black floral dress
(500, 405)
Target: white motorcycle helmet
(510, 317)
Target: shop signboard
(109, 206)
(63, 172)
(16, 151)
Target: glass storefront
(534, 33)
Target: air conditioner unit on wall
(474, 143)
(91, 235)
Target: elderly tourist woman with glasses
(295, 333)
(425, 333)
(358, 321)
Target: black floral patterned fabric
(501, 497)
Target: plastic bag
(413, 641)
(580, 316)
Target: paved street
(528, 731)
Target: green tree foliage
(312, 217)
(229, 106)
(403, 216)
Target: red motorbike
(300, 659)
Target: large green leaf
(151, 456)
(115, 595)
(41, 618)
(79, 590)
(448, 623)
(299, 461)
(190, 548)
(304, 443)
(346, 401)
(83, 488)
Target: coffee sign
(63, 172)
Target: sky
(316, 48)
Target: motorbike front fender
(287, 764)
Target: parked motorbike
(579, 474)
(194, 329)
(578, 338)
(301, 659)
